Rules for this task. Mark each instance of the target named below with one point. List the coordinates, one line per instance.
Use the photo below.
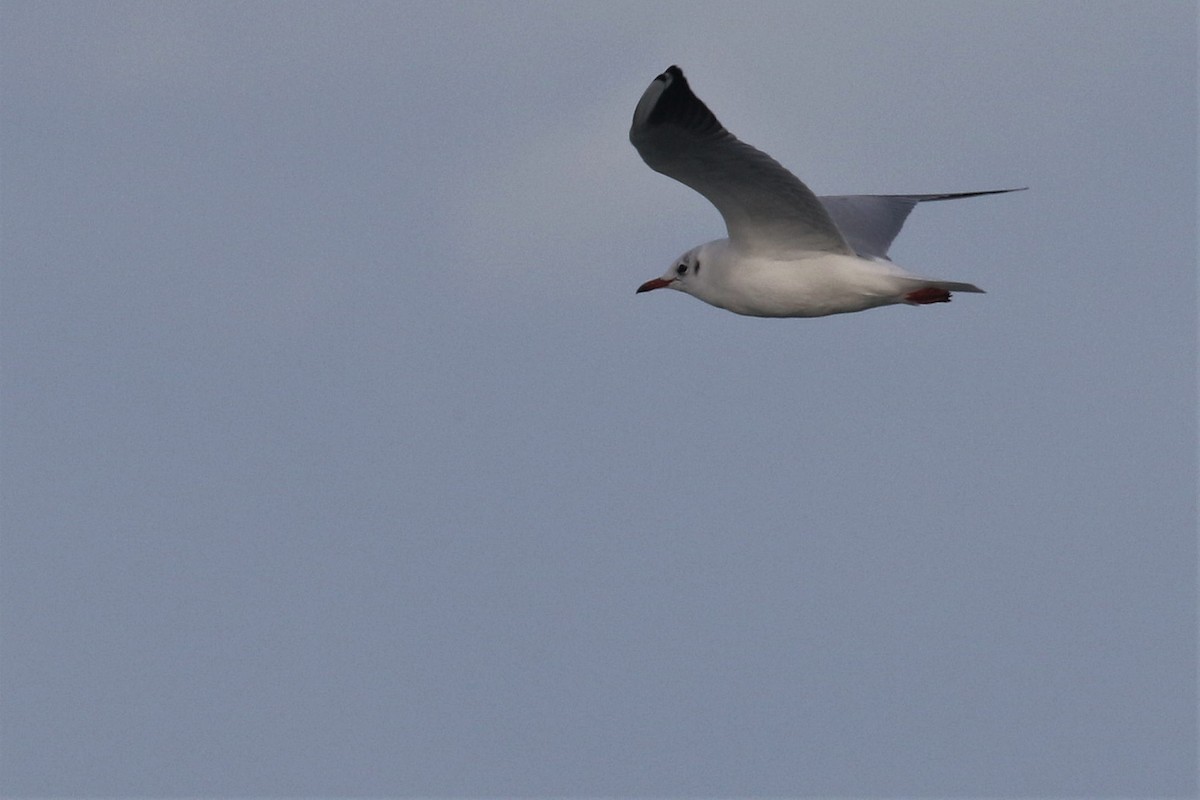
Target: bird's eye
(681, 269)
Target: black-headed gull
(789, 253)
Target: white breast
(814, 285)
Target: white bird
(789, 253)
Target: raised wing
(766, 208)
(870, 222)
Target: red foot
(930, 294)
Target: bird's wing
(870, 222)
(766, 208)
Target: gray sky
(339, 457)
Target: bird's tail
(937, 292)
(951, 286)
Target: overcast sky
(340, 459)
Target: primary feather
(765, 207)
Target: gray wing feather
(765, 207)
(870, 222)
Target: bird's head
(683, 274)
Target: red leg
(930, 294)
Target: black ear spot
(681, 269)
(696, 270)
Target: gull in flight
(789, 252)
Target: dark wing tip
(678, 105)
(924, 198)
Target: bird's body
(789, 253)
(802, 284)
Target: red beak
(657, 283)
